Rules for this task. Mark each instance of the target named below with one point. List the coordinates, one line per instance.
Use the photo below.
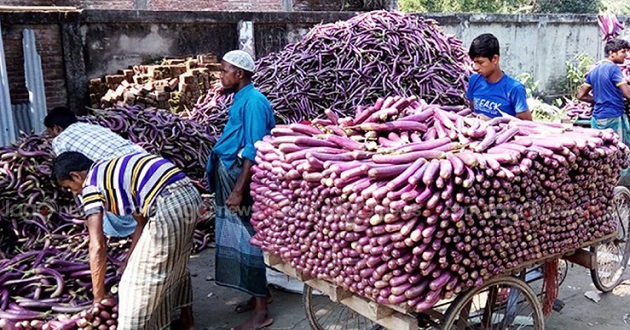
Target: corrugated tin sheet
(7, 125)
(34, 80)
(21, 114)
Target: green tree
(569, 6)
(618, 7)
(513, 6)
(467, 6)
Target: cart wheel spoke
(612, 257)
(325, 314)
(503, 303)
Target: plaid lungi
(239, 264)
(618, 124)
(156, 280)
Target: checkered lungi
(156, 280)
(238, 263)
(619, 125)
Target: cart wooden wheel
(502, 303)
(612, 257)
(325, 314)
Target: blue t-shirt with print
(605, 80)
(507, 95)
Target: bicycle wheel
(612, 257)
(325, 314)
(502, 303)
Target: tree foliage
(569, 6)
(503, 6)
(466, 6)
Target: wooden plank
(390, 317)
(335, 292)
(380, 311)
(584, 258)
(394, 321)
(272, 259)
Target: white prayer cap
(240, 59)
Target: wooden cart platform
(400, 317)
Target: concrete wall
(92, 43)
(536, 44)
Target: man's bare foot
(245, 305)
(249, 304)
(256, 322)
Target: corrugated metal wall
(34, 81)
(7, 125)
(22, 116)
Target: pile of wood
(175, 84)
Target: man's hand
(234, 200)
(584, 94)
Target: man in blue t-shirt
(491, 92)
(609, 90)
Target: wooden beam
(394, 321)
(583, 258)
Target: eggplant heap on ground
(344, 64)
(44, 263)
(408, 203)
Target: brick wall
(210, 5)
(87, 4)
(216, 5)
(318, 5)
(50, 50)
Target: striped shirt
(94, 141)
(127, 184)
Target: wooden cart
(507, 301)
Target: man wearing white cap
(239, 264)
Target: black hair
(615, 45)
(60, 116)
(485, 45)
(67, 162)
(248, 74)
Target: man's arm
(236, 197)
(518, 99)
(584, 94)
(625, 90)
(525, 115)
(98, 254)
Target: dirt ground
(213, 305)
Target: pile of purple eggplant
(211, 110)
(408, 203)
(44, 269)
(348, 63)
(184, 142)
(578, 110)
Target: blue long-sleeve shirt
(251, 118)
